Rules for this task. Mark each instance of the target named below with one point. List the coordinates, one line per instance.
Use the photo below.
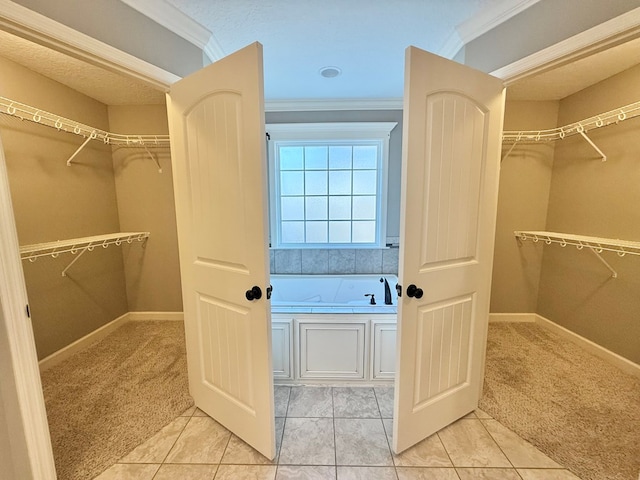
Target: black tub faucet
(387, 292)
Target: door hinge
(28, 311)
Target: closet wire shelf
(596, 245)
(78, 246)
(42, 117)
(578, 128)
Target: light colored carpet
(576, 408)
(106, 400)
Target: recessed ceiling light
(330, 72)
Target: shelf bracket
(595, 147)
(88, 139)
(64, 272)
(153, 158)
(614, 274)
(509, 152)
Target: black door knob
(413, 291)
(254, 294)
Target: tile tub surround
(332, 261)
(341, 442)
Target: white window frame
(310, 133)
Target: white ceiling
(364, 38)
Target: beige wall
(590, 197)
(525, 179)
(104, 191)
(146, 203)
(53, 202)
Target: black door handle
(413, 291)
(269, 291)
(254, 294)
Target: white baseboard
(622, 363)
(156, 316)
(97, 335)
(512, 317)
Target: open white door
(450, 168)
(216, 122)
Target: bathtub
(332, 293)
(325, 329)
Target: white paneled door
(451, 156)
(216, 120)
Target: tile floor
(337, 433)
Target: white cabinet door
(332, 350)
(450, 168)
(282, 346)
(383, 363)
(216, 122)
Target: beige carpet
(106, 400)
(576, 408)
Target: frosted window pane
(315, 158)
(365, 156)
(340, 157)
(315, 183)
(292, 208)
(316, 232)
(339, 232)
(364, 232)
(340, 182)
(316, 208)
(292, 232)
(364, 182)
(291, 158)
(364, 208)
(340, 208)
(291, 183)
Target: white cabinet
(282, 348)
(383, 350)
(333, 348)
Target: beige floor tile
(239, 453)
(482, 414)
(246, 472)
(384, 395)
(309, 472)
(281, 399)
(422, 473)
(308, 441)
(487, 474)
(355, 402)
(361, 442)
(203, 440)
(367, 473)
(519, 452)
(188, 412)
(186, 472)
(546, 474)
(310, 402)
(129, 471)
(469, 445)
(428, 453)
(155, 449)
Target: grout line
(497, 443)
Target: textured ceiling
(105, 86)
(366, 39)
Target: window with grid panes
(328, 184)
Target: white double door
(451, 147)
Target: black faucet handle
(373, 299)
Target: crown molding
(490, 18)
(213, 50)
(172, 19)
(617, 30)
(452, 45)
(39, 29)
(314, 105)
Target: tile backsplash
(321, 261)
